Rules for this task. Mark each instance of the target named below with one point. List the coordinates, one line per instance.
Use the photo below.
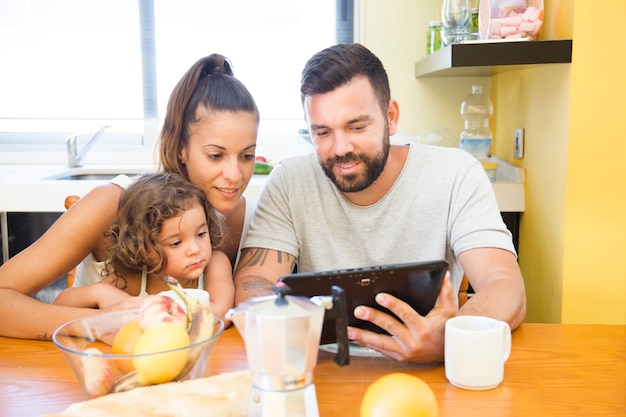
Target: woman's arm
(218, 281)
(76, 233)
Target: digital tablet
(417, 284)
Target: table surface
(553, 370)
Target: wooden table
(553, 370)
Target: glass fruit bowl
(87, 344)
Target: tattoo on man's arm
(258, 256)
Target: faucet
(73, 156)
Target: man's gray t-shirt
(441, 205)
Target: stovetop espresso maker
(282, 335)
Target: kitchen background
(572, 236)
(573, 229)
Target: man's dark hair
(338, 65)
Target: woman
(208, 136)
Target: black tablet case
(417, 284)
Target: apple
(260, 158)
(158, 309)
(97, 374)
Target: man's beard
(353, 183)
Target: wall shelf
(486, 59)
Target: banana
(200, 325)
(200, 322)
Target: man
(360, 202)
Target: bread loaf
(224, 395)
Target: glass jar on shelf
(510, 19)
(455, 18)
(433, 37)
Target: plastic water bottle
(476, 138)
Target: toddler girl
(165, 226)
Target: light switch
(518, 144)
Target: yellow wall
(538, 99)
(573, 233)
(545, 122)
(397, 35)
(594, 275)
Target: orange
(399, 395)
(124, 343)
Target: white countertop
(28, 188)
(32, 188)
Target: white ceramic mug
(475, 351)
(202, 295)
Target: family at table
(356, 201)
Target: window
(71, 66)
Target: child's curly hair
(144, 206)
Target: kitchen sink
(89, 177)
(98, 173)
